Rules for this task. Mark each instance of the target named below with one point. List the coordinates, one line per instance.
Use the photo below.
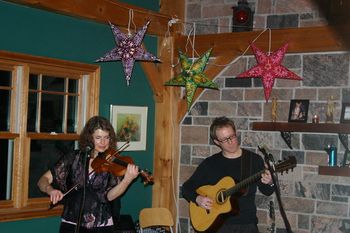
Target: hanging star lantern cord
(269, 68)
(128, 50)
(192, 76)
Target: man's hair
(220, 122)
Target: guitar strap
(246, 165)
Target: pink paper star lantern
(269, 68)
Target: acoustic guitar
(202, 219)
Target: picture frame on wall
(130, 125)
(298, 110)
(345, 113)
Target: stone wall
(313, 202)
(216, 16)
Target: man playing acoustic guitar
(219, 202)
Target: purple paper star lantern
(128, 50)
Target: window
(44, 104)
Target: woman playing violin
(87, 209)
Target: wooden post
(166, 158)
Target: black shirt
(69, 171)
(215, 167)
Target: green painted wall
(36, 32)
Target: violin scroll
(146, 177)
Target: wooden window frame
(20, 206)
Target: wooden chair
(156, 217)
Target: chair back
(152, 217)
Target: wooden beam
(152, 71)
(166, 157)
(103, 11)
(167, 136)
(301, 40)
(175, 9)
(152, 74)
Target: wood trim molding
(20, 206)
(20, 58)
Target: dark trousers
(70, 228)
(245, 228)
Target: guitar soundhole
(221, 197)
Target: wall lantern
(243, 16)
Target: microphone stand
(86, 174)
(270, 164)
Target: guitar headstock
(286, 164)
(146, 177)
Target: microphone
(87, 150)
(262, 149)
(267, 157)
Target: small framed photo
(130, 125)
(298, 110)
(345, 113)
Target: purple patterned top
(69, 171)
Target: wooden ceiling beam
(228, 46)
(301, 40)
(152, 72)
(103, 11)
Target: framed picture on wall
(130, 125)
(298, 110)
(345, 113)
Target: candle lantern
(242, 19)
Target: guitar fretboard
(243, 184)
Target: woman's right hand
(55, 195)
(44, 184)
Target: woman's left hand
(132, 171)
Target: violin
(111, 161)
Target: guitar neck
(243, 184)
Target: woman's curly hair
(93, 124)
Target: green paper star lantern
(192, 76)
